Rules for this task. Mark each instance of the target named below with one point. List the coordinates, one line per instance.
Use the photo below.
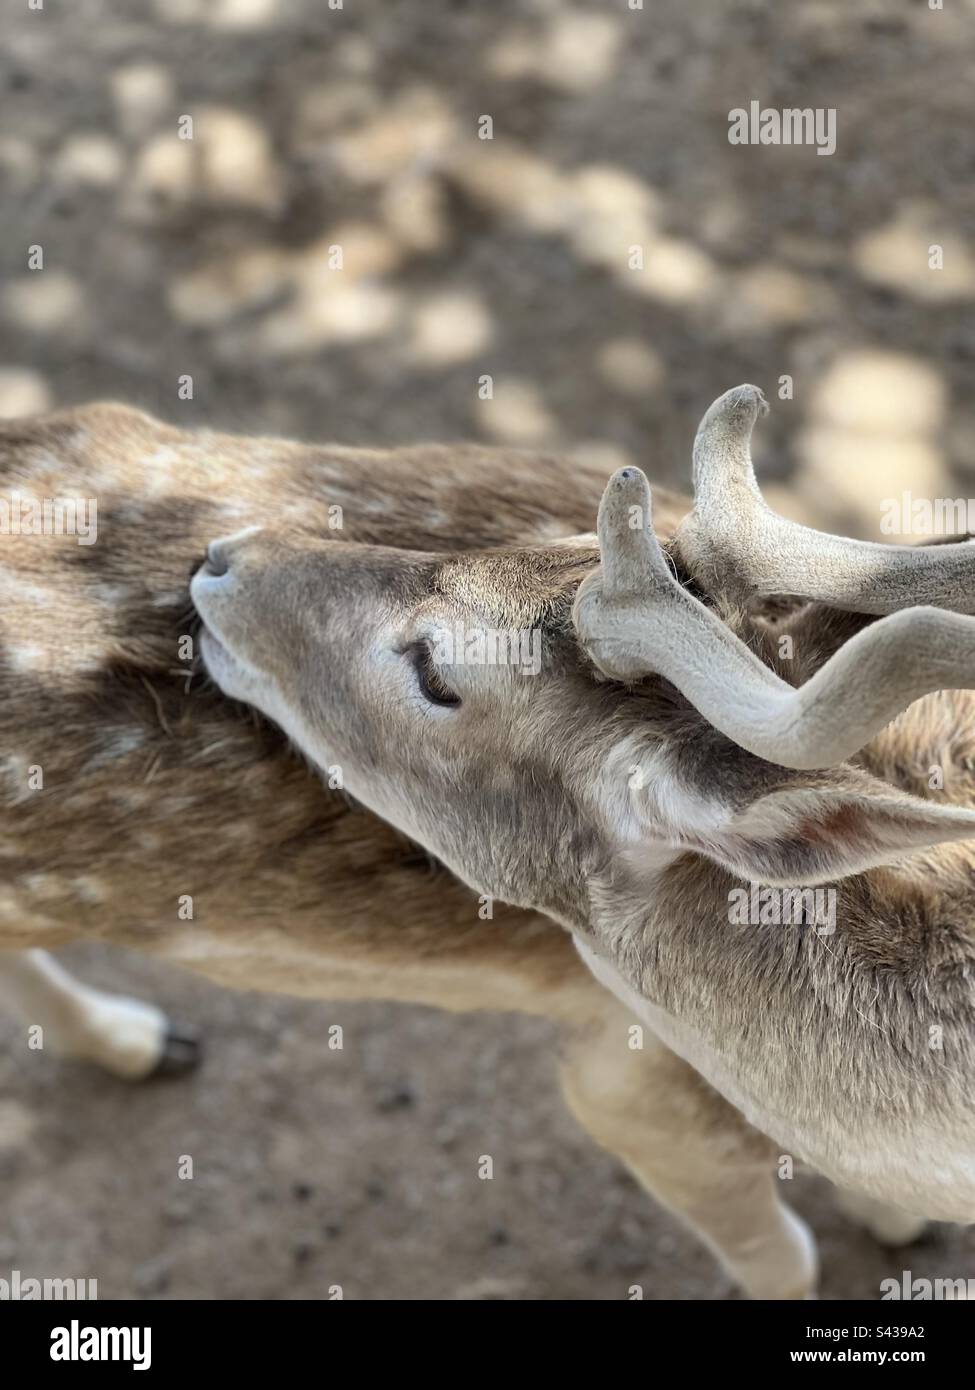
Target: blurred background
(358, 127)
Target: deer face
(448, 693)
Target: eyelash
(431, 683)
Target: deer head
(552, 721)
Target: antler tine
(632, 556)
(634, 618)
(732, 539)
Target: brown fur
(106, 620)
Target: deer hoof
(182, 1050)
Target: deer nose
(220, 552)
(217, 562)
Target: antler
(734, 542)
(634, 617)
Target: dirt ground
(210, 258)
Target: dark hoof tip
(182, 1051)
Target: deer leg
(693, 1152)
(127, 1037)
(888, 1225)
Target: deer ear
(811, 835)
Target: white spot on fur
(27, 658)
(40, 885)
(127, 741)
(13, 589)
(161, 458)
(90, 890)
(114, 593)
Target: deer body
(171, 821)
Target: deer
(237, 738)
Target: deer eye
(431, 682)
